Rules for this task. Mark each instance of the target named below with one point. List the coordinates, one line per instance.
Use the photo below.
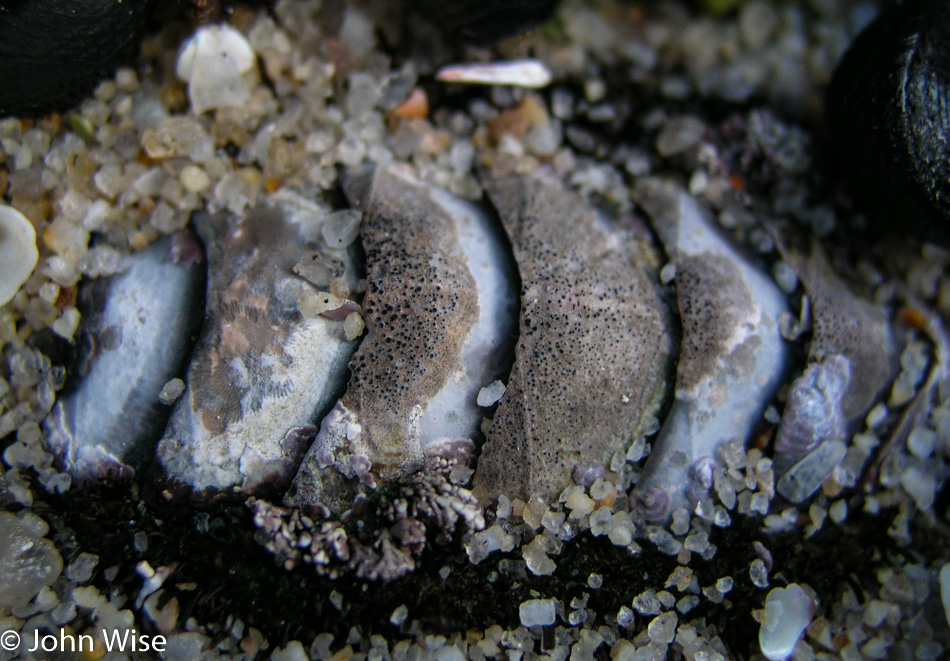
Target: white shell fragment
(212, 64)
(516, 73)
(264, 369)
(732, 353)
(439, 307)
(18, 253)
(788, 612)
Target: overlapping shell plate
(520, 344)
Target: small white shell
(18, 253)
(212, 63)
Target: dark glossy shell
(53, 52)
(889, 113)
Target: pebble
(687, 603)
(788, 612)
(679, 134)
(665, 542)
(668, 273)
(680, 522)
(341, 228)
(537, 612)
(875, 612)
(622, 530)
(486, 542)
(552, 521)
(81, 567)
(785, 276)
(18, 252)
(399, 615)
(662, 628)
(101, 261)
(194, 179)
(921, 485)
(536, 559)
(490, 394)
(930, 651)
(758, 21)
(292, 651)
(922, 442)
(67, 324)
(504, 509)
(353, 325)
(713, 594)
(601, 489)
(171, 391)
(647, 603)
(63, 613)
(838, 511)
(187, 645)
(178, 137)
(534, 512)
(625, 616)
(601, 522)
(876, 416)
(806, 476)
(759, 574)
(28, 561)
(580, 505)
(161, 611)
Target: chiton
(552, 298)
(533, 290)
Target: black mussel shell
(889, 114)
(487, 21)
(53, 52)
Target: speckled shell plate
(595, 345)
(439, 307)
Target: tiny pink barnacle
(653, 504)
(588, 473)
